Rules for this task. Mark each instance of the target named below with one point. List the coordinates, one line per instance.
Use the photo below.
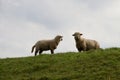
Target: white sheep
(44, 45)
(83, 44)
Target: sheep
(83, 44)
(44, 45)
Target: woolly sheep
(44, 45)
(83, 44)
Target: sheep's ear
(73, 35)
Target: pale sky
(23, 22)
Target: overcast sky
(23, 22)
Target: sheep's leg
(40, 52)
(36, 51)
(79, 50)
(52, 51)
(84, 49)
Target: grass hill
(89, 65)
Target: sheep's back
(91, 44)
(44, 44)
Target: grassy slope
(91, 65)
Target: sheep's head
(77, 35)
(58, 38)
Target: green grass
(89, 65)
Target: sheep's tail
(32, 49)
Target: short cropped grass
(103, 64)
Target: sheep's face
(77, 35)
(59, 38)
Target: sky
(24, 22)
